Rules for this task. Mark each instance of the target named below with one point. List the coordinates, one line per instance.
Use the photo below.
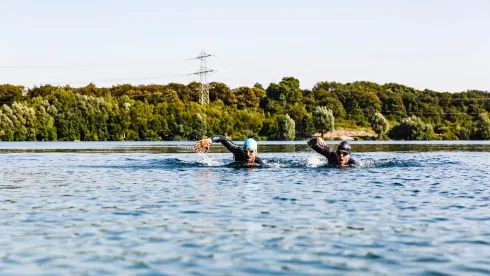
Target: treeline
(282, 111)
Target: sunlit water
(159, 209)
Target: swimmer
(340, 157)
(246, 154)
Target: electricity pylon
(203, 73)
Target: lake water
(157, 208)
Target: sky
(442, 45)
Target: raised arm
(206, 143)
(227, 143)
(318, 145)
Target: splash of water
(208, 161)
(314, 161)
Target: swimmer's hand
(321, 142)
(203, 144)
(317, 141)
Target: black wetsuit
(329, 153)
(238, 154)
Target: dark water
(159, 209)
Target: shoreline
(348, 134)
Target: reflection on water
(412, 209)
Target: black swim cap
(345, 146)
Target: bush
(380, 125)
(412, 128)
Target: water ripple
(147, 214)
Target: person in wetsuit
(341, 157)
(247, 154)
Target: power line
(130, 79)
(88, 66)
(118, 80)
(92, 65)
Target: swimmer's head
(250, 149)
(250, 143)
(343, 153)
(345, 146)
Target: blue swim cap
(250, 143)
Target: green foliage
(323, 119)
(17, 122)
(247, 123)
(248, 97)
(270, 128)
(285, 128)
(380, 125)
(10, 93)
(281, 111)
(412, 128)
(45, 128)
(305, 126)
(303, 120)
(280, 95)
(6, 124)
(220, 91)
(483, 131)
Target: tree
(221, 91)
(286, 128)
(171, 111)
(18, 122)
(323, 119)
(141, 114)
(246, 98)
(45, 129)
(6, 124)
(247, 123)
(483, 131)
(282, 94)
(380, 125)
(412, 128)
(10, 93)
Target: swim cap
(344, 145)
(250, 143)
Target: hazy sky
(443, 45)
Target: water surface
(157, 208)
